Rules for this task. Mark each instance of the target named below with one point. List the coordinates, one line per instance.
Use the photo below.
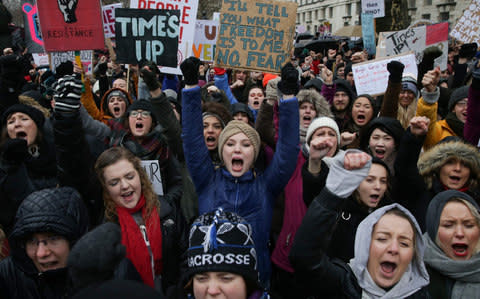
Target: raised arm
(390, 100)
(471, 131)
(221, 81)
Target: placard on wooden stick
(255, 34)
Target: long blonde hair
(112, 156)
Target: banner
(152, 168)
(467, 28)
(371, 77)
(368, 33)
(418, 39)
(255, 35)
(33, 34)
(108, 13)
(59, 57)
(147, 34)
(374, 7)
(71, 25)
(205, 39)
(188, 16)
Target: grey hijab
(414, 278)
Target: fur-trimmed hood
(431, 161)
(321, 105)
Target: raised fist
(67, 7)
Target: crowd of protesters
(273, 186)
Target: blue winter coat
(251, 195)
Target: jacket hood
(430, 162)
(104, 104)
(317, 100)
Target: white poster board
(371, 77)
(85, 56)
(467, 28)
(374, 7)
(206, 32)
(108, 13)
(188, 16)
(40, 59)
(152, 168)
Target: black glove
(468, 51)
(289, 83)
(431, 53)
(395, 68)
(100, 69)
(15, 150)
(150, 79)
(189, 69)
(67, 94)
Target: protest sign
(188, 15)
(374, 7)
(147, 35)
(40, 59)
(108, 13)
(418, 39)
(255, 35)
(368, 33)
(33, 34)
(152, 168)
(59, 57)
(71, 25)
(467, 28)
(371, 77)
(205, 39)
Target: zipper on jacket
(288, 239)
(236, 196)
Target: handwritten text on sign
(372, 77)
(109, 19)
(255, 34)
(152, 168)
(205, 39)
(467, 28)
(147, 34)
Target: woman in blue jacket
(236, 186)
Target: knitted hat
(35, 114)
(410, 83)
(389, 125)
(315, 83)
(271, 89)
(144, 105)
(344, 85)
(241, 107)
(457, 95)
(319, 123)
(217, 110)
(118, 93)
(267, 77)
(234, 127)
(222, 242)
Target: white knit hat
(322, 122)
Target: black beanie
(222, 242)
(35, 114)
(144, 105)
(457, 95)
(241, 107)
(344, 85)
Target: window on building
(303, 17)
(412, 3)
(427, 2)
(426, 16)
(444, 16)
(309, 16)
(315, 16)
(330, 12)
(322, 14)
(348, 9)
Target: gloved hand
(15, 150)
(468, 51)
(395, 68)
(101, 67)
(150, 79)
(431, 53)
(67, 94)
(289, 83)
(189, 69)
(345, 175)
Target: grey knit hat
(457, 95)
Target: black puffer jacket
(60, 211)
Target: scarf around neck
(466, 274)
(132, 238)
(455, 124)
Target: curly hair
(112, 156)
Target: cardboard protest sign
(147, 34)
(85, 55)
(368, 33)
(371, 77)
(255, 35)
(418, 39)
(467, 28)
(188, 16)
(108, 13)
(374, 7)
(40, 59)
(71, 24)
(152, 168)
(33, 34)
(205, 39)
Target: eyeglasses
(51, 242)
(462, 104)
(142, 113)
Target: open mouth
(116, 109)
(139, 125)
(454, 178)
(256, 103)
(211, 139)
(460, 249)
(21, 135)
(380, 153)
(388, 267)
(237, 164)
(49, 265)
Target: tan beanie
(235, 127)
